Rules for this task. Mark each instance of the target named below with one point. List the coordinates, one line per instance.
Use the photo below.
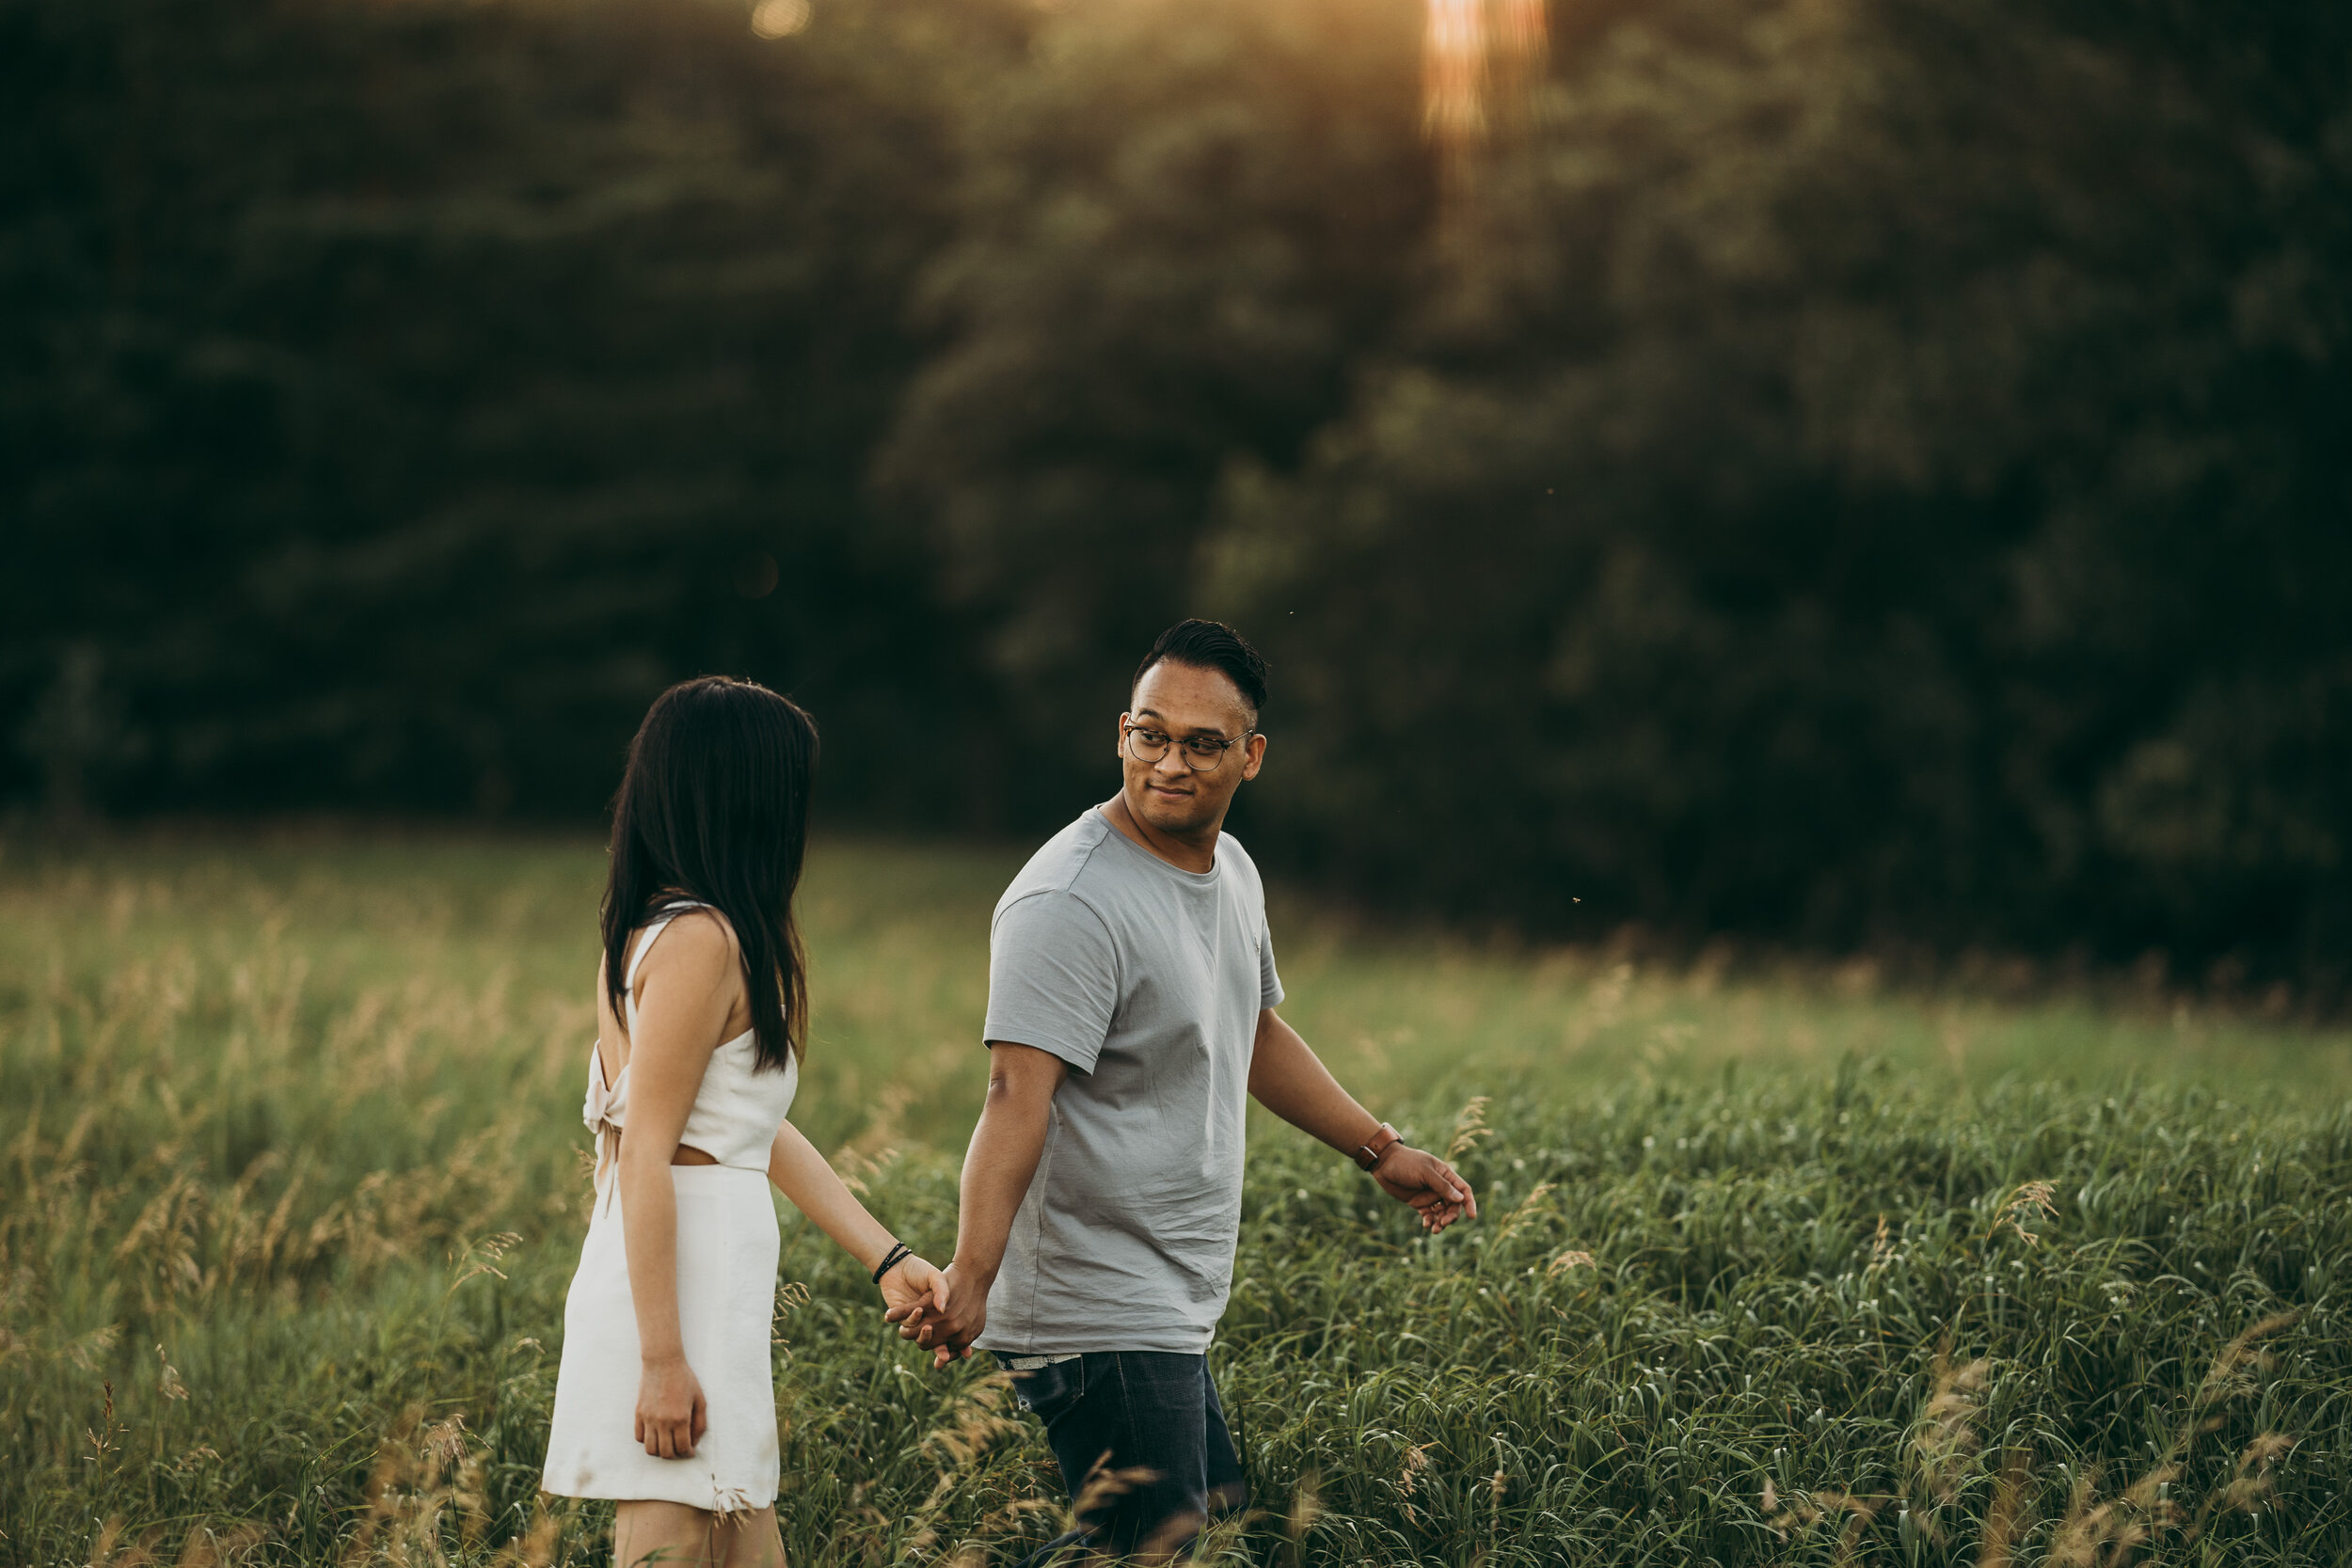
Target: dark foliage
(1867, 472)
(1834, 473)
(397, 397)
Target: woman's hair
(713, 806)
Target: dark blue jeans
(1152, 1414)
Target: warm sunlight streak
(1478, 58)
(1453, 63)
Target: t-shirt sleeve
(1052, 979)
(1269, 983)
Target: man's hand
(1434, 1189)
(948, 1332)
(1290, 1080)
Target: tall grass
(1774, 1269)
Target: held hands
(931, 1319)
(671, 1415)
(1431, 1186)
(910, 1283)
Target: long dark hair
(713, 806)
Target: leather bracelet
(1384, 1138)
(899, 1252)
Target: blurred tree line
(1833, 471)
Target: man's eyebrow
(1197, 729)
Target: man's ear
(1254, 757)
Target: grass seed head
(535, 1546)
(1306, 1506)
(1524, 1211)
(2028, 1200)
(1416, 1461)
(1104, 1487)
(2005, 1513)
(1469, 1127)
(1944, 1437)
(2233, 1372)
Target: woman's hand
(913, 1283)
(671, 1415)
(947, 1335)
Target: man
(1131, 1010)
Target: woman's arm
(689, 985)
(801, 1175)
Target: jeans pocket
(1045, 1392)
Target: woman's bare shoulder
(700, 939)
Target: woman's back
(737, 1108)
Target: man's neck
(1188, 853)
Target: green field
(295, 1178)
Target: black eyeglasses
(1202, 752)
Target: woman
(666, 1399)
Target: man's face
(1182, 701)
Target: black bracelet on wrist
(899, 1252)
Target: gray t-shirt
(1147, 981)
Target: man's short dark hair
(1210, 646)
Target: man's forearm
(1290, 1080)
(998, 1170)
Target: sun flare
(1480, 60)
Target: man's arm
(997, 1168)
(1290, 1080)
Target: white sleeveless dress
(726, 1288)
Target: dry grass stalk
(1306, 1507)
(1524, 1211)
(970, 1425)
(1172, 1538)
(1013, 1517)
(2234, 1369)
(974, 1422)
(1859, 1514)
(1804, 1510)
(1944, 1438)
(206, 1547)
(2096, 1534)
(1469, 1127)
(2252, 1486)
(482, 1257)
(1567, 1261)
(89, 1349)
(2028, 1200)
(1416, 1461)
(2003, 1518)
(535, 1546)
(101, 1552)
(420, 1476)
(1104, 1487)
